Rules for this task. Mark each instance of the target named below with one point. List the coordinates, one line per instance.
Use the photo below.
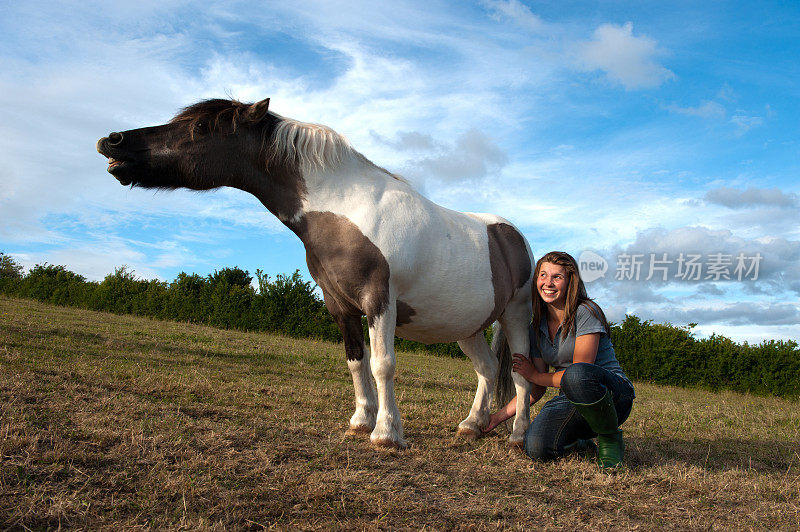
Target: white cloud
(738, 300)
(763, 303)
(737, 199)
(779, 267)
(626, 59)
(726, 93)
(471, 156)
(754, 334)
(413, 141)
(707, 109)
(745, 123)
(516, 12)
(724, 312)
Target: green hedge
(658, 353)
(286, 305)
(666, 354)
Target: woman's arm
(586, 348)
(585, 351)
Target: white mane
(314, 146)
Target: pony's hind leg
(388, 430)
(515, 322)
(485, 366)
(363, 420)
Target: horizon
(657, 145)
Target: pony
(374, 245)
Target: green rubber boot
(602, 418)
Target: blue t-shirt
(558, 353)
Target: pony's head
(210, 144)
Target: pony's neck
(350, 186)
(311, 168)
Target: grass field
(118, 422)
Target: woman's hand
(501, 415)
(524, 366)
(494, 420)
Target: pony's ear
(256, 112)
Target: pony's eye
(201, 127)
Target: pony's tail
(504, 387)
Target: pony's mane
(312, 146)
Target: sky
(655, 141)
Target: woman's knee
(537, 446)
(576, 377)
(537, 450)
(584, 383)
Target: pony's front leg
(363, 420)
(388, 428)
(486, 367)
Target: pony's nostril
(114, 138)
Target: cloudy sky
(657, 140)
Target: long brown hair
(576, 294)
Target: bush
(665, 354)
(290, 305)
(122, 293)
(9, 269)
(10, 272)
(54, 284)
(231, 277)
(187, 301)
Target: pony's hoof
(357, 430)
(467, 434)
(515, 447)
(387, 444)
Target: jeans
(559, 423)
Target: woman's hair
(576, 294)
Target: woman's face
(552, 284)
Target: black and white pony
(374, 245)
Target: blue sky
(651, 130)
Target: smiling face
(552, 282)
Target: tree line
(659, 353)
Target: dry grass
(116, 422)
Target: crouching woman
(570, 334)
